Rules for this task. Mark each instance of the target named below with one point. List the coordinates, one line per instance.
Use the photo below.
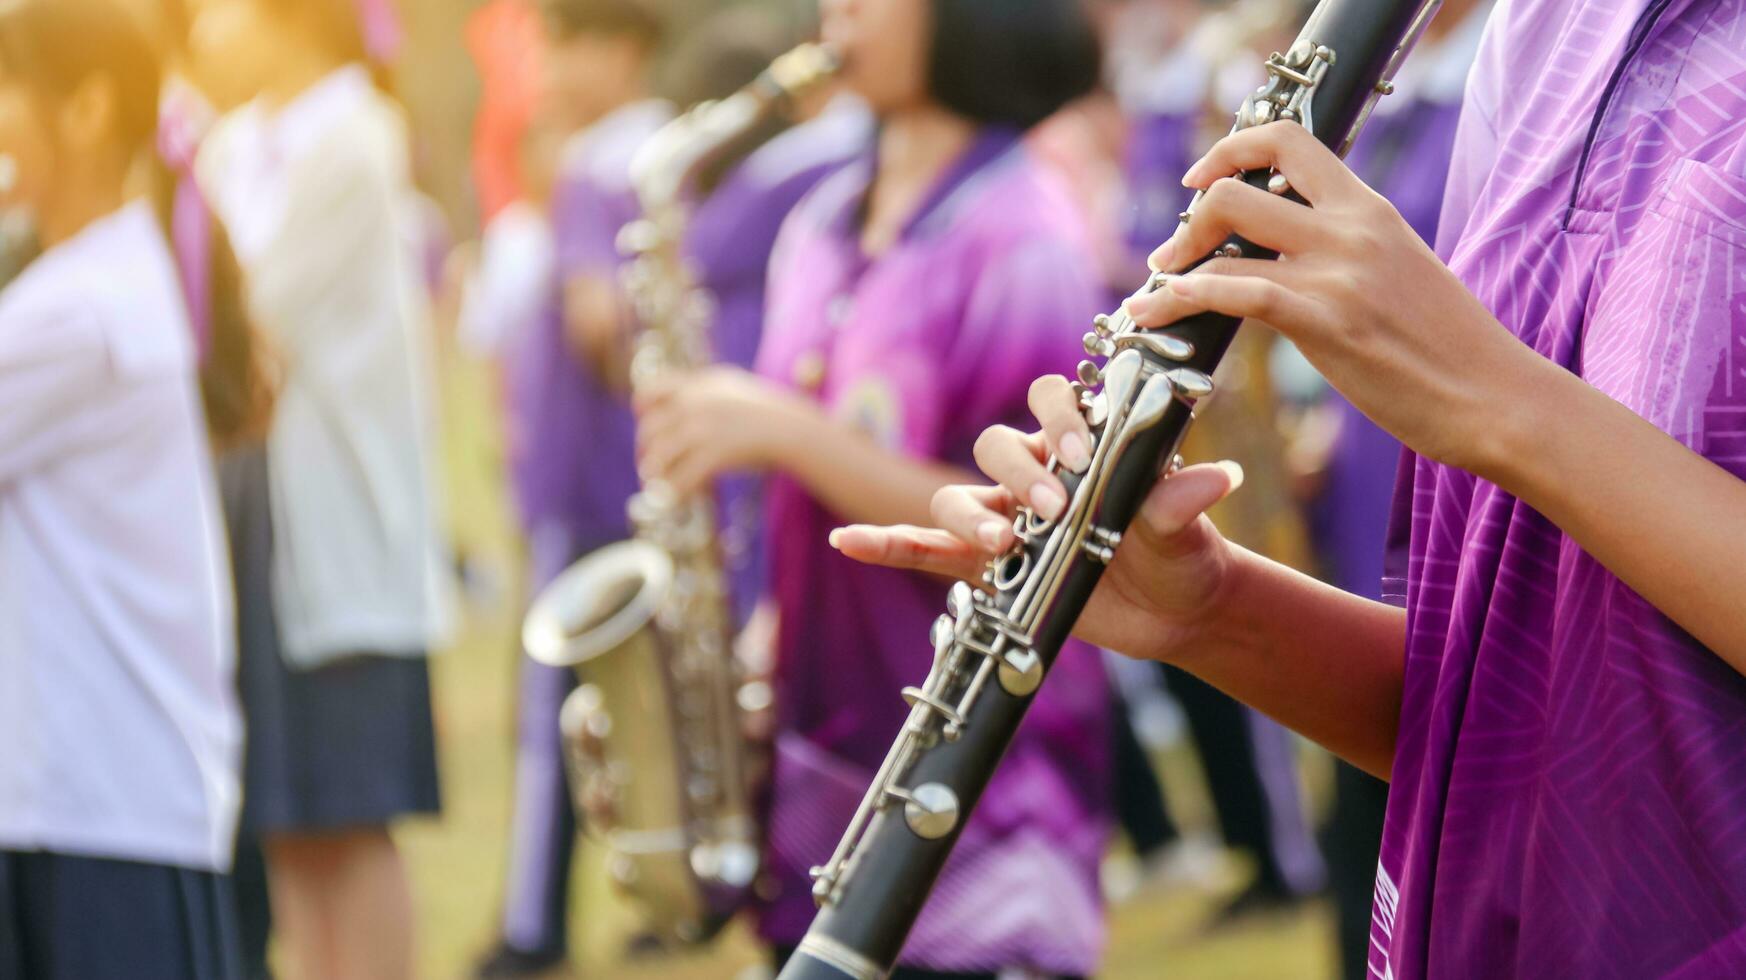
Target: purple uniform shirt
(923, 347)
(571, 439)
(1569, 794)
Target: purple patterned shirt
(923, 347)
(1569, 794)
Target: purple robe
(1569, 791)
(572, 443)
(923, 347)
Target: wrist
(1521, 436)
(782, 428)
(1220, 623)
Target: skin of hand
(1167, 581)
(1368, 303)
(693, 427)
(1397, 333)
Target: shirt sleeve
(52, 372)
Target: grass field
(457, 862)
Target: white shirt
(119, 731)
(312, 196)
(516, 278)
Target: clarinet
(994, 646)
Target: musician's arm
(1322, 662)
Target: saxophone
(994, 647)
(653, 736)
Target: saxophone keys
(1277, 184)
(1090, 375)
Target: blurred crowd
(223, 559)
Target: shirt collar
(955, 184)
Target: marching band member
(119, 785)
(1404, 155)
(911, 295)
(310, 174)
(570, 436)
(1557, 689)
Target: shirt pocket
(1666, 335)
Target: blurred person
(126, 357)
(912, 296)
(1556, 682)
(509, 276)
(185, 116)
(571, 460)
(1404, 154)
(310, 173)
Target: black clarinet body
(994, 647)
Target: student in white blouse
(309, 172)
(119, 782)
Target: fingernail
(1161, 257)
(992, 534)
(836, 538)
(1073, 453)
(1234, 471)
(1046, 500)
(1192, 177)
(1179, 285)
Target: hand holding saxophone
(694, 427)
(1365, 299)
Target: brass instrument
(654, 742)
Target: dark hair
(55, 46)
(1012, 62)
(639, 19)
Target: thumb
(1179, 500)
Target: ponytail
(236, 385)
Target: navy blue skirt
(350, 744)
(80, 918)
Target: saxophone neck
(671, 161)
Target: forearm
(1318, 660)
(1668, 522)
(855, 477)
